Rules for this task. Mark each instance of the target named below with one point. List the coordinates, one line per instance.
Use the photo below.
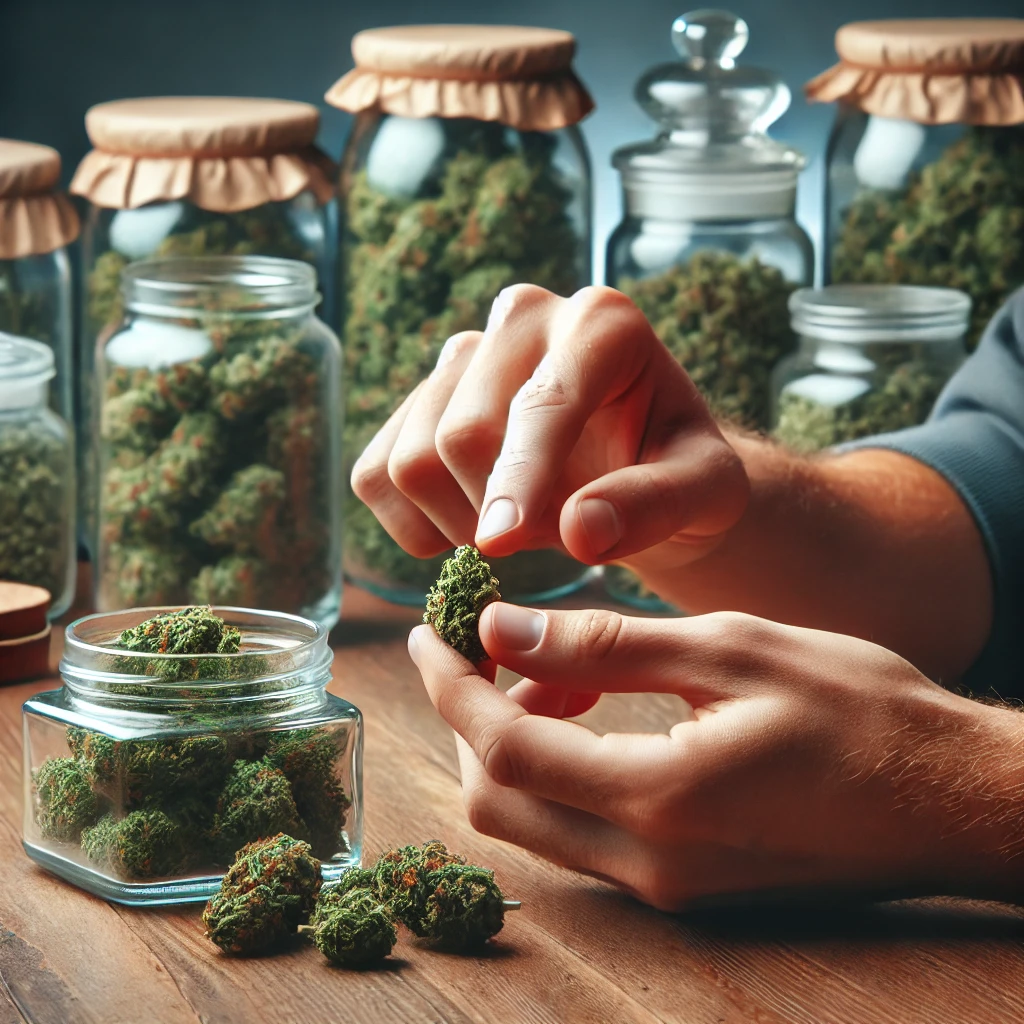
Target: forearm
(872, 544)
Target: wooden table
(577, 951)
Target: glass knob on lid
(712, 158)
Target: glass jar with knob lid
(709, 248)
(37, 476)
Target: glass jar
(709, 248)
(924, 189)
(193, 176)
(440, 213)
(37, 476)
(145, 773)
(217, 436)
(37, 223)
(872, 359)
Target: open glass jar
(193, 176)
(872, 359)
(145, 773)
(37, 223)
(923, 184)
(37, 476)
(217, 440)
(465, 173)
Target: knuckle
(371, 480)
(466, 439)
(519, 297)
(742, 636)
(600, 298)
(480, 811)
(411, 468)
(542, 391)
(597, 632)
(498, 758)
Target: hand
(811, 760)
(566, 423)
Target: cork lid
(929, 70)
(201, 126)
(518, 75)
(22, 610)
(222, 153)
(35, 218)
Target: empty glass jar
(872, 359)
(465, 173)
(37, 476)
(145, 773)
(217, 437)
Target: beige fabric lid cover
(518, 76)
(934, 71)
(222, 153)
(34, 217)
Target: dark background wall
(57, 57)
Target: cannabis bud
(352, 927)
(144, 844)
(270, 889)
(189, 631)
(67, 803)
(438, 896)
(462, 591)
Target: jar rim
(205, 285)
(292, 655)
(871, 312)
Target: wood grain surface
(578, 951)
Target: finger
(687, 483)
(601, 350)
(564, 835)
(611, 776)
(552, 701)
(372, 484)
(470, 433)
(414, 463)
(705, 659)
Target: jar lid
(861, 313)
(714, 116)
(929, 70)
(223, 153)
(517, 75)
(201, 126)
(25, 367)
(34, 218)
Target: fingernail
(447, 352)
(414, 646)
(601, 524)
(518, 629)
(498, 307)
(501, 515)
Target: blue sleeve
(975, 439)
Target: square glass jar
(145, 773)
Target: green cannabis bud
(463, 909)
(266, 894)
(352, 927)
(143, 844)
(497, 211)
(35, 505)
(400, 876)
(257, 800)
(462, 591)
(67, 803)
(959, 223)
(189, 631)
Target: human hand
(566, 423)
(812, 761)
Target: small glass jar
(37, 476)
(144, 774)
(709, 247)
(872, 359)
(441, 210)
(923, 182)
(217, 438)
(37, 223)
(193, 176)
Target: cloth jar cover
(35, 218)
(224, 154)
(932, 71)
